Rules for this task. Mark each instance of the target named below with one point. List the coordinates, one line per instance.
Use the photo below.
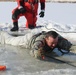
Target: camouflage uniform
(39, 47)
(36, 44)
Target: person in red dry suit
(27, 8)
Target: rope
(61, 61)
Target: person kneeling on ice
(43, 43)
(28, 9)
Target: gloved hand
(22, 9)
(41, 14)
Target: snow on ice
(61, 18)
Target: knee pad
(15, 14)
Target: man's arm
(42, 4)
(37, 50)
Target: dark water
(19, 62)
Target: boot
(31, 26)
(15, 28)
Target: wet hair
(52, 34)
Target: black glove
(22, 10)
(41, 14)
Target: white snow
(60, 17)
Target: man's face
(51, 42)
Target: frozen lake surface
(19, 62)
(17, 59)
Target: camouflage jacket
(38, 43)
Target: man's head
(51, 39)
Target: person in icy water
(39, 44)
(42, 43)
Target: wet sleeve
(37, 45)
(37, 48)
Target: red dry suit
(31, 7)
